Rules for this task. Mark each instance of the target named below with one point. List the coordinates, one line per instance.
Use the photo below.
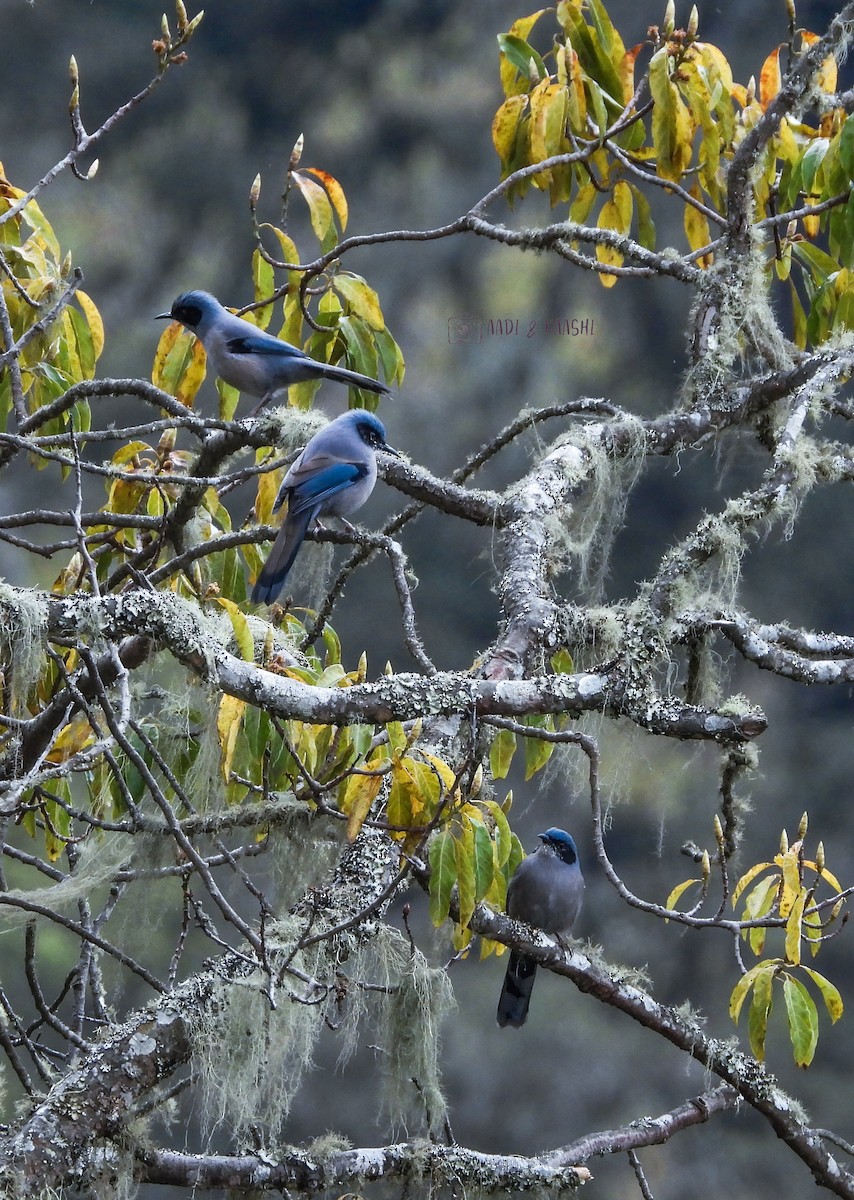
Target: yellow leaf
(359, 794)
(826, 78)
(447, 776)
(71, 738)
(240, 626)
(504, 125)
(697, 229)
(793, 929)
(93, 317)
(319, 207)
(228, 722)
(361, 298)
(548, 119)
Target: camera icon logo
(465, 329)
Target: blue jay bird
(249, 359)
(546, 890)
(333, 476)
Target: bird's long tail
(354, 379)
(516, 992)
(281, 558)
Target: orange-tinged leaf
(319, 206)
(626, 71)
(335, 192)
(827, 75)
(770, 78)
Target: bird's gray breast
(546, 892)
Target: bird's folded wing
(262, 343)
(316, 488)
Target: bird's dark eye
(187, 314)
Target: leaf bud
(706, 867)
(819, 857)
(181, 13)
(477, 781)
(72, 69)
(802, 828)
(165, 30)
(751, 90)
(296, 153)
(784, 842)
(255, 192)
(93, 170)
(669, 22)
(693, 23)
(719, 831)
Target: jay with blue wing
(333, 476)
(546, 891)
(249, 359)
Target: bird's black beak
(391, 450)
(164, 317)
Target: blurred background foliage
(395, 98)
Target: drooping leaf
(802, 1017)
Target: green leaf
(672, 131)
(760, 1010)
(264, 287)
(464, 862)
(846, 147)
(739, 992)
(519, 54)
(829, 994)
(361, 298)
(802, 1016)
(501, 753)
(484, 860)
(503, 835)
(442, 876)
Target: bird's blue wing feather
(316, 489)
(262, 343)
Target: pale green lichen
(23, 622)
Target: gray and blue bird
(333, 476)
(249, 359)
(546, 891)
